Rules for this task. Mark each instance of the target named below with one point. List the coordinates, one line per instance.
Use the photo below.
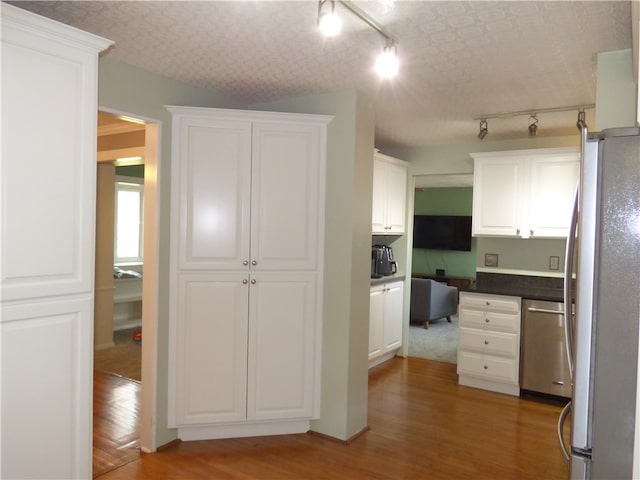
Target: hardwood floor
(423, 426)
(116, 421)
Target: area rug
(125, 358)
(438, 342)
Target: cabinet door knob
(486, 367)
(488, 302)
(486, 320)
(254, 262)
(245, 281)
(486, 342)
(531, 233)
(246, 262)
(518, 231)
(253, 281)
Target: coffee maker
(382, 263)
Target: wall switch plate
(490, 259)
(554, 263)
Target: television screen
(442, 232)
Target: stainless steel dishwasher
(543, 359)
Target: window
(129, 220)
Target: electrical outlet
(554, 263)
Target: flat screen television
(442, 232)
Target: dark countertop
(389, 278)
(524, 286)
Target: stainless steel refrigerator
(602, 337)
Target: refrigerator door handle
(563, 417)
(568, 281)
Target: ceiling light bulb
(330, 24)
(387, 64)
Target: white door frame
(148, 400)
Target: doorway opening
(125, 319)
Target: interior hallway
(422, 425)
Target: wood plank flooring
(423, 426)
(116, 421)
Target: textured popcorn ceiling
(459, 60)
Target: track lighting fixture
(582, 121)
(329, 23)
(387, 64)
(533, 125)
(484, 130)
(533, 118)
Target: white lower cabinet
(236, 344)
(385, 321)
(489, 342)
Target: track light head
(387, 64)
(582, 122)
(484, 130)
(329, 23)
(533, 125)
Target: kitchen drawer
(494, 303)
(493, 343)
(481, 319)
(488, 367)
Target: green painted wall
(445, 201)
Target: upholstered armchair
(431, 300)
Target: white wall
(616, 90)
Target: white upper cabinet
(388, 213)
(524, 193)
(498, 196)
(246, 199)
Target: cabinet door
(209, 359)
(396, 198)
(282, 348)
(379, 199)
(388, 210)
(553, 184)
(212, 164)
(285, 196)
(393, 300)
(498, 193)
(376, 321)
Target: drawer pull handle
(486, 342)
(558, 382)
(488, 302)
(486, 368)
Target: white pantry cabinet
(489, 342)
(246, 263)
(524, 193)
(48, 175)
(385, 320)
(389, 208)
